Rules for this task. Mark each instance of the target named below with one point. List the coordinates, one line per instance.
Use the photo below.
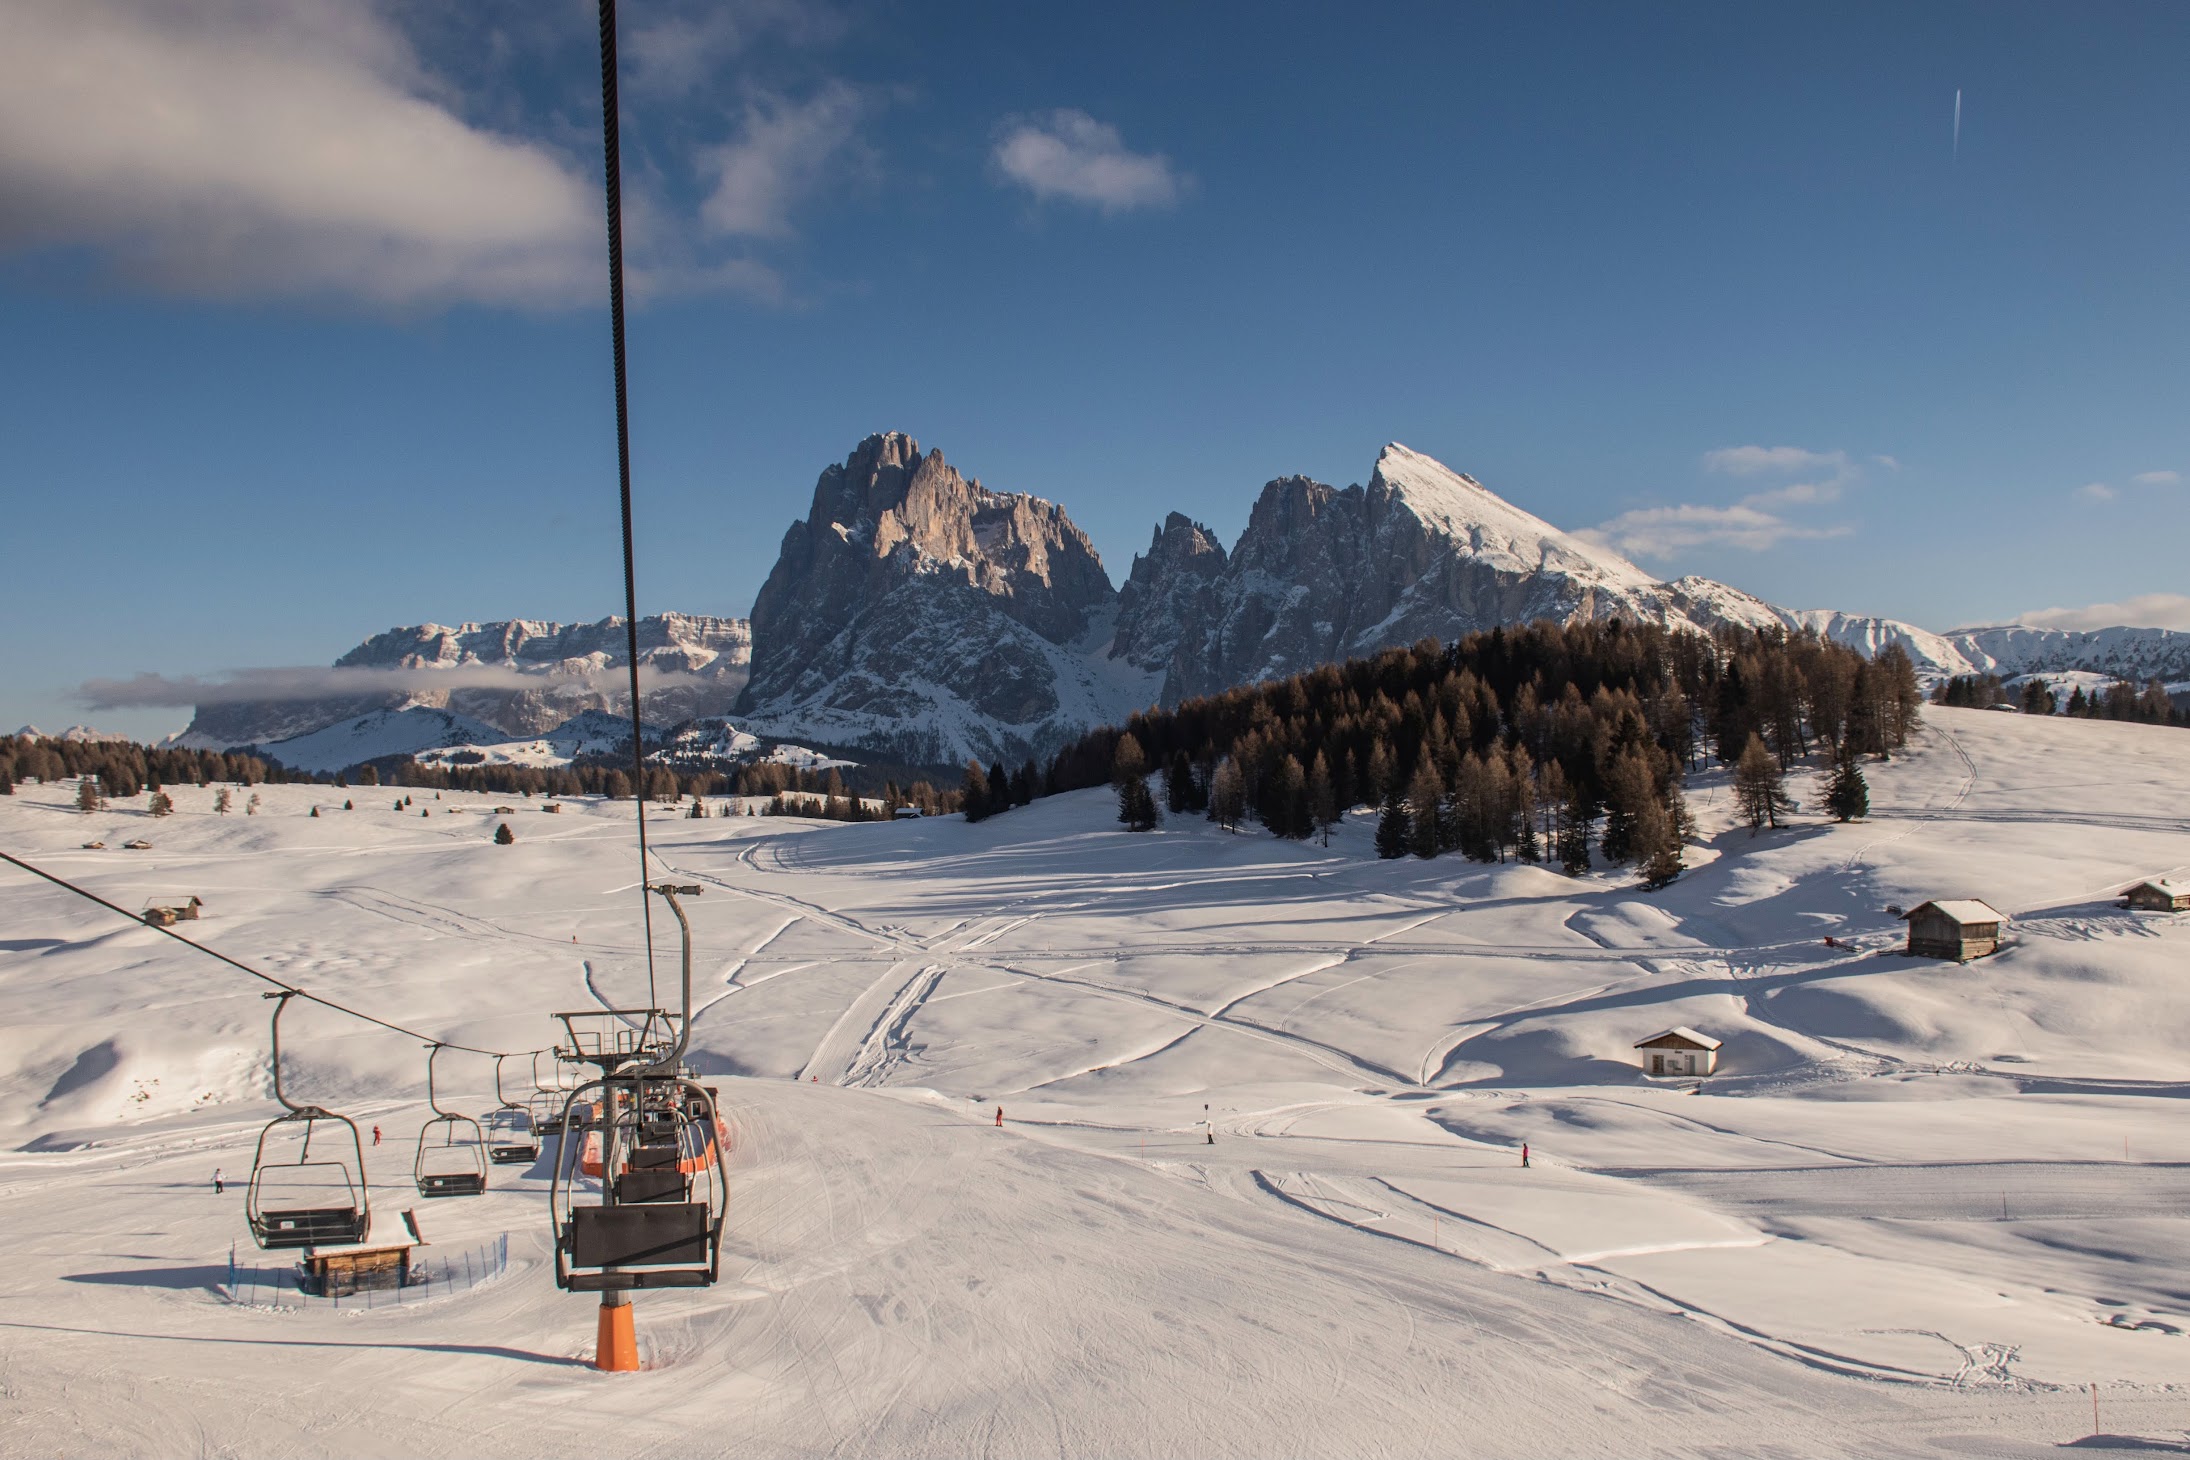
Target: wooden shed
(1960, 929)
(2158, 894)
(167, 917)
(1679, 1051)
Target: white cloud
(249, 148)
(1748, 461)
(1661, 532)
(783, 153)
(1755, 523)
(2096, 492)
(1068, 154)
(2146, 610)
(2157, 478)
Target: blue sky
(314, 346)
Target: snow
(1492, 528)
(1920, 1207)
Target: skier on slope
(218, 1187)
(1524, 1155)
(376, 1135)
(999, 1115)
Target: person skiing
(1208, 1128)
(376, 1135)
(999, 1115)
(1524, 1155)
(218, 1186)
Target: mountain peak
(1457, 505)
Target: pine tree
(1393, 830)
(1285, 804)
(1849, 795)
(88, 798)
(1137, 806)
(1759, 786)
(161, 804)
(503, 836)
(348, 806)
(1657, 846)
(315, 813)
(1425, 798)
(1178, 783)
(1228, 796)
(223, 799)
(1322, 798)
(974, 792)
(1574, 819)
(251, 807)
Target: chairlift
(664, 1183)
(452, 1149)
(512, 1134)
(306, 1203)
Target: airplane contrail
(1957, 124)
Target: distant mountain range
(919, 616)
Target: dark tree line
(2148, 704)
(1545, 743)
(123, 769)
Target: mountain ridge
(918, 614)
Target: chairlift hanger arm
(284, 988)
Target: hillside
(1921, 1205)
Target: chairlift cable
(612, 182)
(302, 993)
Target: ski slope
(1920, 1208)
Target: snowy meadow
(1258, 1185)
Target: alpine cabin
(167, 917)
(2158, 894)
(1679, 1051)
(1961, 929)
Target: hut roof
(2172, 886)
(1680, 1036)
(1964, 910)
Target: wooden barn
(1679, 1051)
(2158, 894)
(1960, 929)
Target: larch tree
(1759, 786)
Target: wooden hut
(167, 917)
(1679, 1051)
(2158, 894)
(1960, 929)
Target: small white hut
(1679, 1051)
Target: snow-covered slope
(1920, 1208)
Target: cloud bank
(2145, 611)
(316, 682)
(1068, 154)
(253, 148)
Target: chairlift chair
(298, 1203)
(512, 1134)
(452, 1149)
(664, 1184)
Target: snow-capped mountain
(520, 678)
(917, 614)
(920, 616)
(1322, 574)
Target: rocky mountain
(915, 613)
(520, 677)
(919, 616)
(1323, 573)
